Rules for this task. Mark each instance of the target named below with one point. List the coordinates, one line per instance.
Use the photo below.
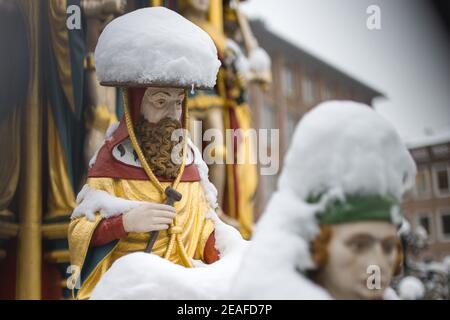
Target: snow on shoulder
(156, 46)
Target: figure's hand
(148, 217)
(113, 6)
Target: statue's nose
(172, 112)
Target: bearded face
(161, 110)
(155, 140)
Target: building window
(288, 82)
(326, 92)
(425, 221)
(291, 123)
(308, 90)
(441, 177)
(268, 118)
(445, 224)
(423, 186)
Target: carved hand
(148, 217)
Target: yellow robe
(191, 218)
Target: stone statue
(148, 187)
(331, 226)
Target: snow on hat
(340, 150)
(345, 151)
(155, 47)
(348, 146)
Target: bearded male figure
(147, 187)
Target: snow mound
(279, 253)
(347, 146)
(411, 288)
(143, 276)
(156, 46)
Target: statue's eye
(389, 246)
(360, 244)
(160, 102)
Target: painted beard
(156, 144)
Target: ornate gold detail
(55, 230)
(58, 256)
(8, 230)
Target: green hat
(356, 208)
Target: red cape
(106, 166)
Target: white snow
(94, 157)
(279, 253)
(446, 263)
(411, 288)
(390, 294)
(259, 61)
(89, 201)
(421, 232)
(209, 189)
(238, 58)
(156, 45)
(347, 146)
(109, 132)
(111, 129)
(405, 228)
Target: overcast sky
(408, 59)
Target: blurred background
(391, 55)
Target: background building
(300, 82)
(428, 205)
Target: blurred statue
(345, 249)
(146, 190)
(208, 106)
(224, 108)
(101, 101)
(332, 223)
(433, 275)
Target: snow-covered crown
(155, 46)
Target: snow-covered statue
(147, 187)
(330, 230)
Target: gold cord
(174, 231)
